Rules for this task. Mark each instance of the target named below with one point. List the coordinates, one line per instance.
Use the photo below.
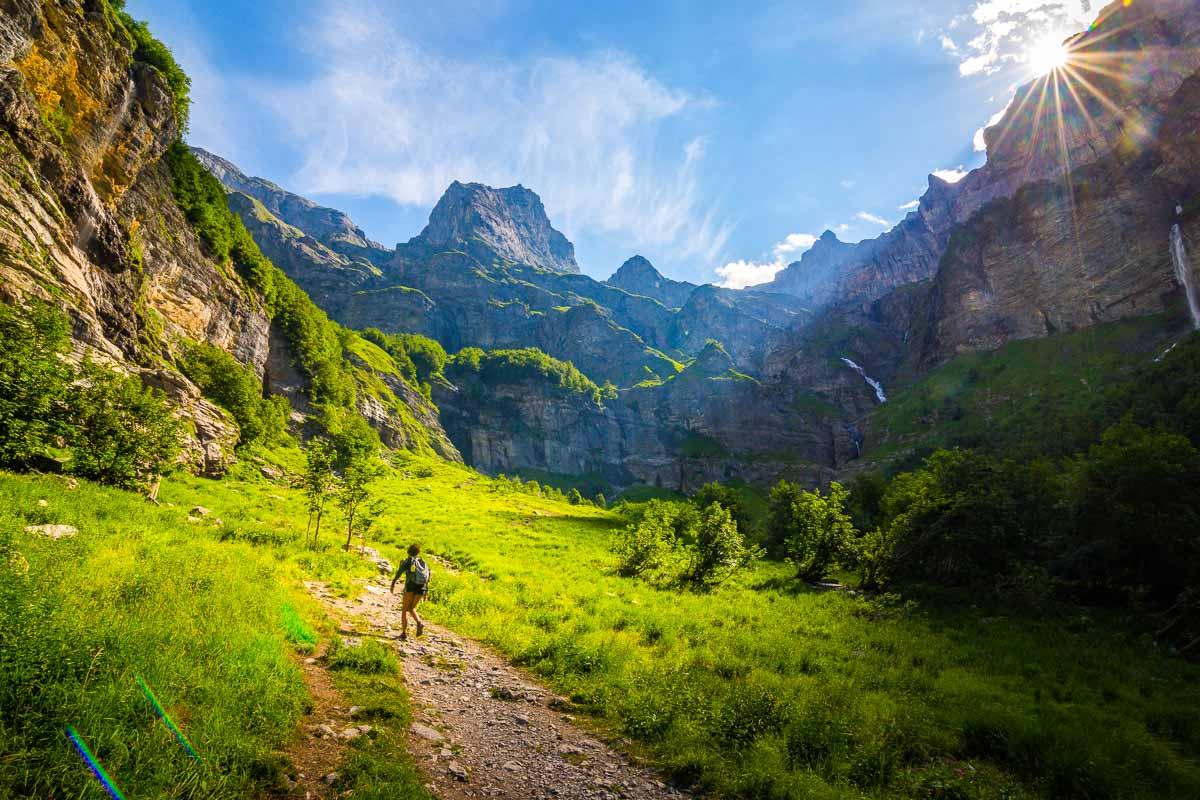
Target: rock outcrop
(489, 223)
(1111, 99)
(638, 276)
(89, 222)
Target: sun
(1047, 55)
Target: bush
(818, 531)
(33, 382)
(238, 390)
(729, 498)
(121, 432)
(1139, 511)
(653, 542)
(720, 551)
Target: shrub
(121, 432)
(720, 551)
(729, 498)
(238, 390)
(33, 381)
(1139, 513)
(820, 533)
(653, 542)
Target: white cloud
(950, 175)
(979, 141)
(874, 220)
(999, 33)
(794, 242)
(911, 205)
(740, 274)
(381, 115)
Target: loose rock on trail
(482, 728)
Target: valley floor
(764, 688)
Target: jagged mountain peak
(328, 225)
(510, 222)
(638, 276)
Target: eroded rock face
(485, 222)
(1125, 71)
(638, 276)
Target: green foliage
(151, 51)
(720, 551)
(319, 480)
(298, 632)
(652, 543)
(530, 363)
(369, 658)
(139, 592)
(122, 433)
(238, 390)
(730, 499)
(574, 497)
(956, 520)
(203, 201)
(812, 530)
(1139, 513)
(33, 382)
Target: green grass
(759, 689)
(1025, 399)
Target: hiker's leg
(420, 622)
(406, 608)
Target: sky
(717, 140)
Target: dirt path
(484, 729)
(326, 731)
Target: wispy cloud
(740, 274)
(999, 33)
(911, 205)
(873, 219)
(381, 115)
(979, 142)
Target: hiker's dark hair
(414, 549)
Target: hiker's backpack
(419, 572)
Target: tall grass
(759, 689)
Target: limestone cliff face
(88, 220)
(638, 276)
(1065, 255)
(1122, 76)
(679, 435)
(486, 223)
(328, 226)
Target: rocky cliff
(89, 221)
(638, 276)
(1109, 101)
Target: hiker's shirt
(407, 569)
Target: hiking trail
(482, 728)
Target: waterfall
(874, 384)
(1183, 271)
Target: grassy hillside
(1029, 398)
(761, 689)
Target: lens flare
(162, 714)
(1048, 55)
(94, 764)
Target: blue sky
(716, 139)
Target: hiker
(416, 586)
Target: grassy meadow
(760, 689)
